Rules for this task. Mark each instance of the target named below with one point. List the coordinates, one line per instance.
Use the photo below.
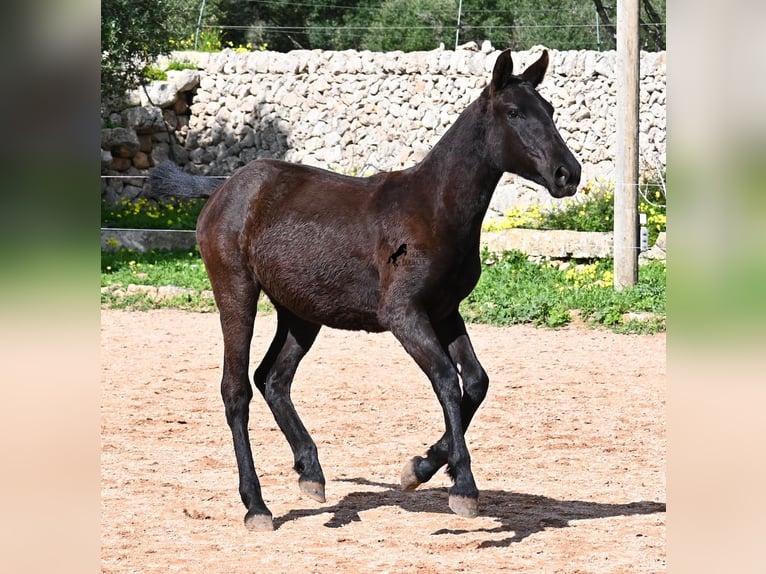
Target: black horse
(393, 252)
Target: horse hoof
(259, 523)
(409, 480)
(464, 506)
(312, 489)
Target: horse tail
(169, 180)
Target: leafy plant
(592, 209)
(208, 40)
(152, 73)
(653, 202)
(513, 289)
(178, 66)
(146, 214)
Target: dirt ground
(568, 452)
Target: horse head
(522, 137)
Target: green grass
(178, 267)
(512, 290)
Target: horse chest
(439, 282)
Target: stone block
(142, 161)
(160, 94)
(145, 143)
(144, 120)
(184, 80)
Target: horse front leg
(454, 338)
(423, 344)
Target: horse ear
(535, 73)
(503, 71)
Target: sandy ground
(568, 452)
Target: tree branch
(602, 15)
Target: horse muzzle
(566, 178)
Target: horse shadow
(520, 514)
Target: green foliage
(208, 40)
(601, 304)
(423, 24)
(144, 302)
(591, 210)
(514, 290)
(653, 203)
(178, 66)
(410, 25)
(559, 24)
(179, 268)
(146, 214)
(133, 34)
(152, 73)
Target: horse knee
(236, 398)
(476, 384)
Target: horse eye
(513, 113)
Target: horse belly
(321, 280)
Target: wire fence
(574, 19)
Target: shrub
(592, 209)
(513, 289)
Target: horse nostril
(562, 176)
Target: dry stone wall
(361, 112)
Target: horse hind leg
(237, 304)
(273, 378)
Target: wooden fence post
(626, 162)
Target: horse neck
(459, 173)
